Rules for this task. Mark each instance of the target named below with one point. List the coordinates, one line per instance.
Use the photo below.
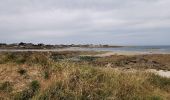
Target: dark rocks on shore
(140, 62)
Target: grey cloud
(88, 20)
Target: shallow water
(165, 49)
(144, 49)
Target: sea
(154, 49)
(135, 49)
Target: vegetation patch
(161, 82)
(22, 71)
(5, 87)
(87, 79)
(27, 94)
(87, 58)
(46, 74)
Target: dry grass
(37, 76)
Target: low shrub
(22, 71)
(24, 95)
(87, 58)
(35, 86)
(5, 87)
(46, 75)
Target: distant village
(23, 45)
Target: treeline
(23, 45)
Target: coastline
(105, 52)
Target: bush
(22, 71)
(46, 75)
(6, 87)
(34, 86)
(87, 58)
(24, 95)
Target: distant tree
(3, 44)
(21, 43)
(40, 44)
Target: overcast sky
(118, 22)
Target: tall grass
(66, 80)
(84, 82)
(27, 94)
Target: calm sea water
(156, 49)
(165, 49)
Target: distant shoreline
(22, 45)
(108, 51)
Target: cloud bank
(119, 22)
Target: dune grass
(67, 80)
(89, 83)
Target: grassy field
(69, 76)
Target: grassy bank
(66, 76)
